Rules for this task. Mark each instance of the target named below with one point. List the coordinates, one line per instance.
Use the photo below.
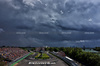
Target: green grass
(21, 59)
(32, 53)
(44, 56)
(37, 55)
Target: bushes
(2, 63)
(97, 48)
(88, 58)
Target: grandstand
(12, 53)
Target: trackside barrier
(66, 59)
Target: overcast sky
(50, 23)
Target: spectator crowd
(12, 53)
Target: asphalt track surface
(30, 61)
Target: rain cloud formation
(55, 23)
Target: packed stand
(12, 53)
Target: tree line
(97, 48)
(87, 58)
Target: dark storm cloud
(1, 30)
(24, 27)
(51, 17)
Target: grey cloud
(1, 30)
(24, 27)
(53, 16)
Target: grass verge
(21, 59)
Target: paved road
(71, 62)
(30, 61)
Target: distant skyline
(54, 23)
